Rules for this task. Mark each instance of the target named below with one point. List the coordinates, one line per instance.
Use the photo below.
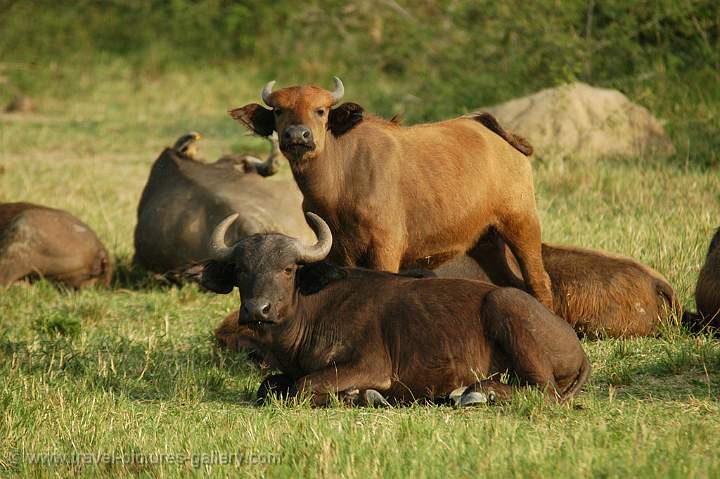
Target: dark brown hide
(339, 329)
(421, 338)
(40, 241)
(707, 291)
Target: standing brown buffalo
(599, 294)
(185, 198)
(402, 197)
(333, 329)
(40, 241)
(707, 291)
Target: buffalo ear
(315, 277)
(256, 118)
(218, 277)
(344, 118)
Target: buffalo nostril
(265, 310)
(306, 134)
(286, 134)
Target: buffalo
(707, 291)
(598, 293)
(37, 241)
(332, 329)
(185, 198)
(396, 197)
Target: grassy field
(133, 370)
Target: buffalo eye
(289, 270)
(320, 112)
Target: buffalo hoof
(350, 397)
(456, 394)
(278, 385)
(473, 398)
(372, 398)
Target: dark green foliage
(464, 53)
(425, 59)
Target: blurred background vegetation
(425, 59)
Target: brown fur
(597, 293)
(397, 196)
(707, 291)
(413, 339)
(40, 241)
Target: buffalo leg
(382, 250)
(15, 250)
(10, 274)
(515, 325)
(494, 390)
(489, 253)
(382, 258)
(364, 398)
(280, 385)
(12, 269)
(341, 378)
(523, 237)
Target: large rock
(578, 120)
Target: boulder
(580, 121)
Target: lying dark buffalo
(340, 329)
(599, 294)
(184, 199)
(45, 242)
(707, 290)
(707, 293)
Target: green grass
(134, 369)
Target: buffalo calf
(340, 329)
(50, 243)
(400, 197)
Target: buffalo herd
(398, 264)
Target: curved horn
(266, 92)
(317, 252)
(218, 249)
(339, 90)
